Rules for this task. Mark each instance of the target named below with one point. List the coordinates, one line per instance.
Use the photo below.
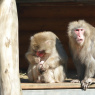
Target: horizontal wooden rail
(65, 85)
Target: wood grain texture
(9, 52)
(28, 86)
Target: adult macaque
(82, 45)
(47, 58)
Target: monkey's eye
(81, 29)
(36, 46)
(76, 29)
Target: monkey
(82, 46)
(47, 58)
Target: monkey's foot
(52, 81)
(75, 81)
(85, 83)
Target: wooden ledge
(26, 85)
(65, 85)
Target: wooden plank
(56, 1)
(48, 24)
(26, 85)
(55, 11)
(31, 1)
(30, 86)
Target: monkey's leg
(59, 74)
(48, 76)
(33, 73)
(52, 63)
(80, 72)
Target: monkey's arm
(32, 59)
(30, 72)
(89, 72)
(51, 63)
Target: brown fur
(55, 59)
(83, 54)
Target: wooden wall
(36, 17)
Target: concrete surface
(60, 92)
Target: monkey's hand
(37, 59)
(85, 83)
(44, 68)
(40, 67)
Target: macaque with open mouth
(47, 58)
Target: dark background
(50, 16)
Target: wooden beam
(35, 1)
(9, 54)
(65, 85)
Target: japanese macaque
(82, 46)
(47, 58)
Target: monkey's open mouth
(40, 53)
(80, 40)
(44, 56)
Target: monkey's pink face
(79, 35)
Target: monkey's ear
(28, 55)
(31, 37)
(49, 42)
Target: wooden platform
(36, 17)
(26, 85)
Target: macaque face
(79, 32)
(42, 47)
(40, 50)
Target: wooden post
(9, 54)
